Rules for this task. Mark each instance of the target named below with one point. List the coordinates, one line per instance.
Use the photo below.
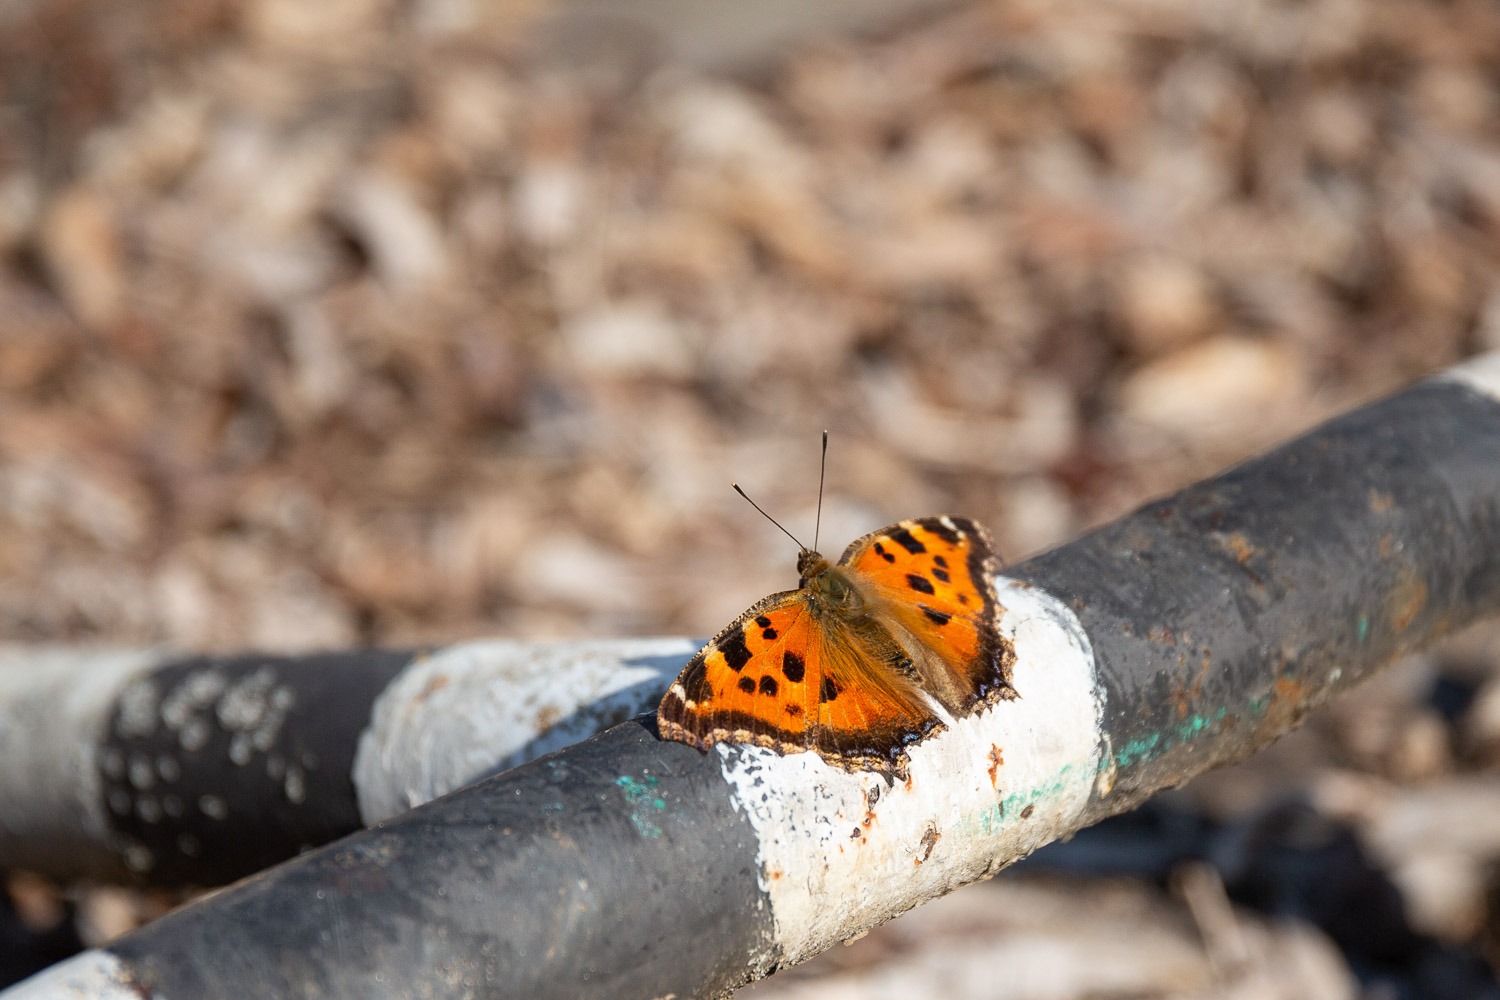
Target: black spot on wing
(906, 540)
(792, 666)
(920, 584)
(901, 664)
(768, 634)
(829, 691)
(747, 685)
(882, 553)
(736, 653)
(950, 535)
(963, 598)
(768, 685)
(763, 621)
(941, 561)
(937, 617)
(941, 574)
(695, 684)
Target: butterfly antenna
(768, 517)
(822, 470)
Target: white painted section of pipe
(483, 706)
(841, 852)
(89, 975)
(55, 705)
(1480, 373)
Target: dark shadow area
(1287, 861)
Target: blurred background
(367, 321)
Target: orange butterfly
(841, 665)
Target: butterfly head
(829, 587)
(811, 566)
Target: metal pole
(170, 769)
(1179, 638)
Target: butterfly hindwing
(932, 579)
(779, 677)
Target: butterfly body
(849, 665)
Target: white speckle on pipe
(112, 763)
(246, 702)
(138, 858)
(181, 705)
(1480, 373)
(148, 809)
(295, 786)
(89, 975)
(240, 749)
(481, 706)
(194, 735)
(142, 773)
(991, 788)
(138, 704)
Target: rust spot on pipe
(1185, 698)
(1239, 546)
(1406, 602)
(871, 797)
(997, 761)
(1288, 689)
(929, 841)
(433, 686)
(1289, 701)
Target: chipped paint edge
(89, 975)
(478, 707)
(1480, 373)
(55, 707)
(842, 852)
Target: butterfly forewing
(934, 577)
(782, 678)
(749, 682)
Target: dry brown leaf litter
(349, 324)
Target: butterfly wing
(782, 677)
(931, 580)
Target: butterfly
(846, 664)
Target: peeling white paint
(841, 852)
(54, 712)
(1480, 373)
(89, 975)
(482, 706)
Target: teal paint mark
(641, 797)
(1154, 745)
(1362, 627)
(992, 819)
